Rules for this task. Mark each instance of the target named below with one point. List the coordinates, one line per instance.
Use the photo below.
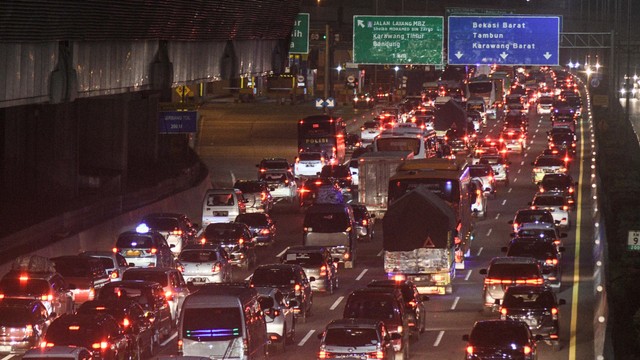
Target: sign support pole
(327, 67)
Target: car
(478, 198)
(484, 172)
(279, 316)
(414, 302)
(514, 140)
(310, 163)
(58, 353)
(368, 131)
(363, 100)
(236, 239)
(352, 141)
(282, 185)
(512, 339)
(547, 164)
(273, 164)
(85, 275)
(357, 338)
(22, 323)
(291, 280)
(175, 287)
(505, 271)
(564, 121)
(385, 304)
(499, 165)
(353, 169)
(563, 141)
(340, 173)
(316, 261)
(557, 204)
(546, 252)
(308, 192)
(176, 228)
(257, 195)
(537, 216)
(364, 221)
(151, 296)
(483, 146)
(99, 332)
(543, 231)
(545, 105)
(516, 121)
(144, 248)
(538, 307)
(131, 317)
(262, 226)
(458, 140)
(204, 263)
(114, 263)
(476, 118)
(560, 182)
(222, 205)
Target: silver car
(279, 316)
(357, 339)
(205, 264)
(114, 263)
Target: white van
(222, 205)
(406, 139)
(223, 321)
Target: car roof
(54, 351)
(132, 284)
(279, 266)
(537, 225)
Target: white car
(368, 131)
(555, 202)
(282, 185)
(309, 164)
(279, 316)
(204, 264)
(499, 165)
(547, 164)
(353, 169)
(478, 199)
(484, 172)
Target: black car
(100, 333)
(308, 192)
(563, 141)
(510, 339)
(150, 296)
(537, 307)
(132, 320)
(291, 280)
(262, 227)
(531, 216)
(340, 173)
(560, 182)
(22, 323)
(546, 252)
(270, 164)
(364, 221)
(414, 303)
(235, 238)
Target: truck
(374, 171)
(419, 232)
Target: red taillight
(323, 354)
(101, 345)
(265, 232)
(216, 268)
(46, 297)
(551, 262)
(151, 251)
(176, 232)
(92, 294)
(241, 241)
(375, 355)
(526, 350)
(263, 170)
(46, 344)
(203, 241)
(168, 294)
(365, 222)
(503, 311)
(297, 287)
(114, 274)
(181, 268)
(180, 345)
(126, 323)
(323, 270)
(554, 311)
(1, 296)
(263, 196)
(470, 350)
(565, 208)
(115, 250)
(571, 190)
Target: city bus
(322, 133)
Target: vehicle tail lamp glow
(216, 268)
(126, 323)
(323, 270)
(551, 262)
(46, 297)
(92, 294)
(375, 355)
(399, 277)
(176, 232)
(1, 296)
(241, 241)
(297, 288)
(263, 196)
(565, 208)
(103, 345)
(203, 241)
(115, 250)
(365, 222)
(470, 350)
(503, 311)
(45, 344)
(180, 345)
(168, 294)
(180, 268)
(526, 349)
(323, 354)
(346, 256)
(400, 329)
(265, 232)
(114, 274)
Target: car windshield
(538, 233)
(548, 201)
(328, 222)
(304, 259)
(562, 138)
(359, 212)
(273, 277)
(207, 324)
(351, 337)
(538, 250)
(198, 256)
(556, 182)
(222, 233)
(479, 171)
(549, 161)
(532, 216)
(61, 333)
(528, 300)
(309, 156)
(134, 241)
(491, 160)
(107, 263)
(370, 125)
(546, 100)
(161, 223)
(255, 219)
(15, 287)
(274, 164)
(370, 306)
(513, 271)
(249, 186)
(159, 277)
(498, 334)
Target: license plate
(309, 165)
(133, 253)
(5, 348)
(220, 213)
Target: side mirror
(504, 249)
(483, 271)
(539, 337)
(257, 165)
(53, 315)
(529, 203)
(150, 317)
(373, 216)
(465, 337)
(533, 163)
(510, 222)
(561, 302)
(513, 234)
(563, 235)
(266, 302)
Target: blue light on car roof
(142, 228)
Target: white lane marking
(479, 251)
(455, 303)
(362, 274)
(466, 278)
(248, 278)
(532, 141)
(510, 190)
(175, 334)
(306, 337)
(380, 253)
(12, 355)
(282, 253)
(439, 338)
(489, 232)
(519, 171)
(521, 163)
(336, 303)
(504, 201)
(497, 216)
(516, 179)
(533, 136)
(537, 130)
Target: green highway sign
(401, 40)
(300, 35)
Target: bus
(322, 133)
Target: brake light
(241, 241)
(503, 311)
(265, 231)
(1, 296)
(303, 190)
(46, 344)
(490, 178)
(400, 329)
(152, 251)
(216, 268)
(115, 250)
(571, 190)
(323, 270)
(180, 268)
(263, 196)
(203, 241)
(101, 345)
(565, 208)
(297, 288)
(346, 256)
(526, 349)
(263, 170)
(92, 294)
(536, 281)
(323, 354)
(176, 232)
(554, 311)
(180, 345)
(470, 350)
(114, 274)
(168, 294)
(551, 262)
(365, 222)
(375, 355)
(46, 297)
(126, 322)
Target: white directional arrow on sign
(547, 55)
(330, 103)
(458, 54)
(504, 55)
(361, 23)
(319, 103)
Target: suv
(542, 231)
(547, 164)
(557, 204)
(236, 239)
(202, 264)
(257, 195)
(23, 322)
(514, 140)
(310, 163)
(317, 263)
(499, 165)
(512, 339)
(85, 275)
(538, 216)
(222, 205)
(291, 280)
(282, 184)
(414, 302)
(279, 316)
(546, 252)
(144, 248)
(357, 338)
(310, 189)
(262, 227)
(537, 307)
(114, 263)
(508, 271)
(177, 229)
(339, 172)
(384, 304)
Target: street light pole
(626, 81)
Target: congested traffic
(393, 215)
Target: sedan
(262, 227)
(512, 339)
(204, 264)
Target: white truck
(374, 170)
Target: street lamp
(396, 78)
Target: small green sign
(401, 40)
(300, 35)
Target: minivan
(222, 205)
(334, 227)
(223, 321)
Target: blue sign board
(504, 40)
(177, 122)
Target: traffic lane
(634, 114)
